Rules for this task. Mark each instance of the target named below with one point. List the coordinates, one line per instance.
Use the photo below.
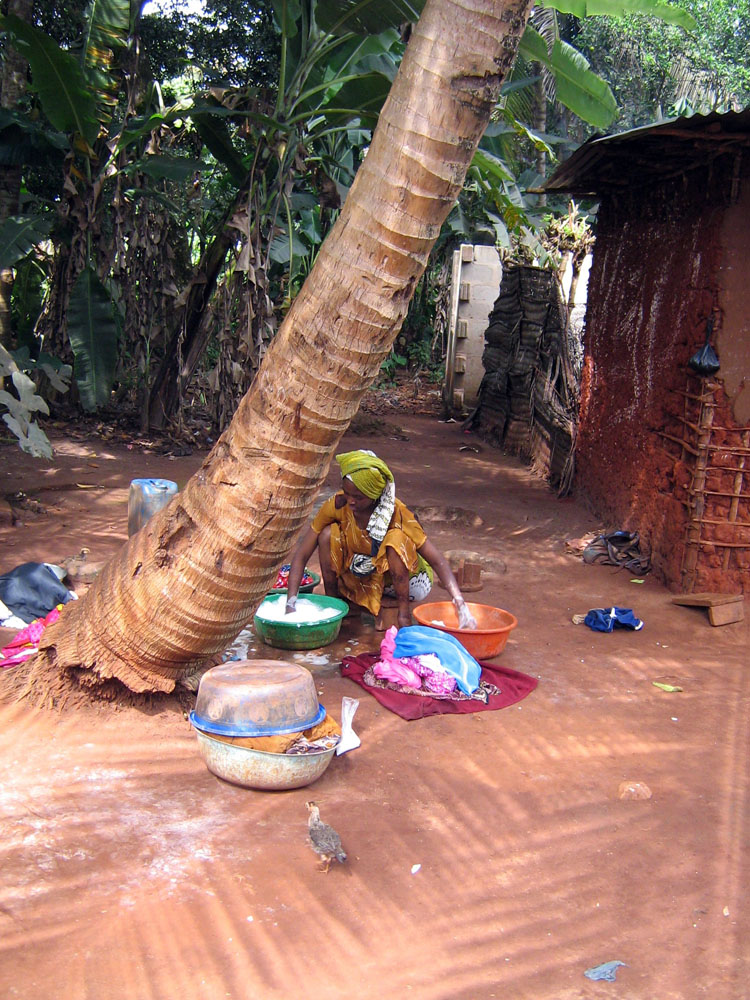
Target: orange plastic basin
(485, 641)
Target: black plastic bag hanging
(706, 361)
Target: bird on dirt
(323, 838)
(73, 563)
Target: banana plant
(331, 87)
(77, 95)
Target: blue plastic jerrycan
(145, 498)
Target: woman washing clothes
(370, 544)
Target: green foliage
(232, 42)
(55, 371)
(658, 70)
(392, 364)
(170, 168)
(27, 298)
(26, 141)
(668, 13)
(215, 134)
(365, 18)
(22, 407)
(19, 234)
(65, 22)
(272, 114)
(57, 79)
(106, 30)
(92, 331)
(577, 87)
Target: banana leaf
(667, 12)
(106, 31)
(19, 234)
(579, 89)
(167, 168)
(57, 78)
(364, 16)
(92, 332)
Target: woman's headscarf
(369, 473)
(374, 479)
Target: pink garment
(397, 672)
(411, 671)
(26, 642)
(388, 644)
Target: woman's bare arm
(440, 564)
(305, 548)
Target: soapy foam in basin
(306, 612)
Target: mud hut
(662, 448)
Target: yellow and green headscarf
(369, 473)
(372, 477)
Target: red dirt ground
(129, 871)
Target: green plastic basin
(297, 635)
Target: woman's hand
(301, 554)
(437, 560)
(465, 618)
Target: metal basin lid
(257, 698)
(224, 729)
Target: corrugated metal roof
(615, 162)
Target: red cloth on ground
(514, 686)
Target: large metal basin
(257, 769)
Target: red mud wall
(659, 270)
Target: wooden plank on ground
(706, 600)
(723, 609)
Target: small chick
(323, 838)
(73, 563)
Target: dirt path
(129, 871)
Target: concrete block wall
(475, 280)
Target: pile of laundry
(420, 658)
(31, 597)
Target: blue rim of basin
(226, 729)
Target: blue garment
(417, 640)
(606, 971)
(33, 589)
(608, 619)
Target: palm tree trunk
(540, 127)
(184, 586)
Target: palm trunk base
(40, 683)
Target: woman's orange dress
(404, 534)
